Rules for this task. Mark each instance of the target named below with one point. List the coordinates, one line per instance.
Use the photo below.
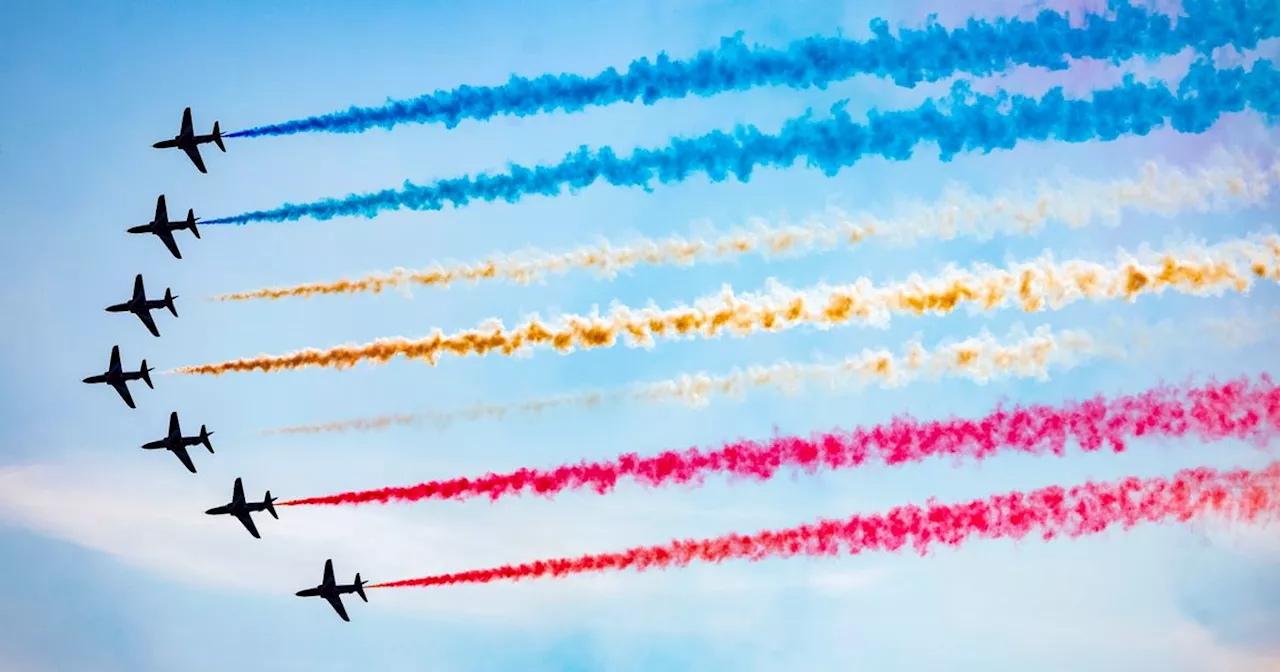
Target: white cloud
(158, 524)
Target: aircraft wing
(162, 212)
(123, 389)
(166, 236)
(237, 493)
(139, 293)
(181, 452)
(194, 153)
(328, 572)
(145, 316)
(115, 359)
(187, 127)
(336, 602)
(245, 518)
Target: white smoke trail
(1229, 178)
(980, 359)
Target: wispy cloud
(158, 525)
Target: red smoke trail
(1240, 408)
(1053, 511)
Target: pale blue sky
(111, 565)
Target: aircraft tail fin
(146, 374)
(268, 502)
(204, 438)
(217, 137)
(191, 222)
(168, 301)
(360, 588)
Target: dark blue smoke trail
(929, 54)
(964, 121)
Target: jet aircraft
(163, 228)
(189, 142)
(177, 444)
(141, 306)
(241, 509)
(119, 379)
(333, 592)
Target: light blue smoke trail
(964, 121)
(914, 55)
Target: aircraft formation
(957, 124)
(174, 441)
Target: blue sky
(111, 565)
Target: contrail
(1240, 409)
(1034, 286)
(980, 358)
(964, 121)
(915, 55)
(1240, 495)
(1230, 177)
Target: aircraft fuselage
(113, 377)
(318, 591)
(233, 509)
(172, 443)
(184, 142)
(152, 227)
(137, 306)
(327, 592)
(224, 510)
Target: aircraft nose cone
(157, 145)
(210, 512)
(85, 380)
(299, 594)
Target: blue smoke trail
(964, 121)
(929, 54)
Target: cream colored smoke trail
(980, 358)
(1228, 177)
(1034, 286)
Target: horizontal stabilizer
(360, 588)
(145, 373)
(217, 137)
(268, 503)
(168, 301)
(191, 222)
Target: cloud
(157, 524)
(1236, 598)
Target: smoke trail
(914, 55)
(1241, 409)
(1055, 511)
(979, 358)
(1077, 202)
(963, 121)
(1034, 286)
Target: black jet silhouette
(189, 142)
(177, 444)
(141, 306)
(119, 379)
(333, 592)
(163, 228)
(241, 509)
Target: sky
(111, 564)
